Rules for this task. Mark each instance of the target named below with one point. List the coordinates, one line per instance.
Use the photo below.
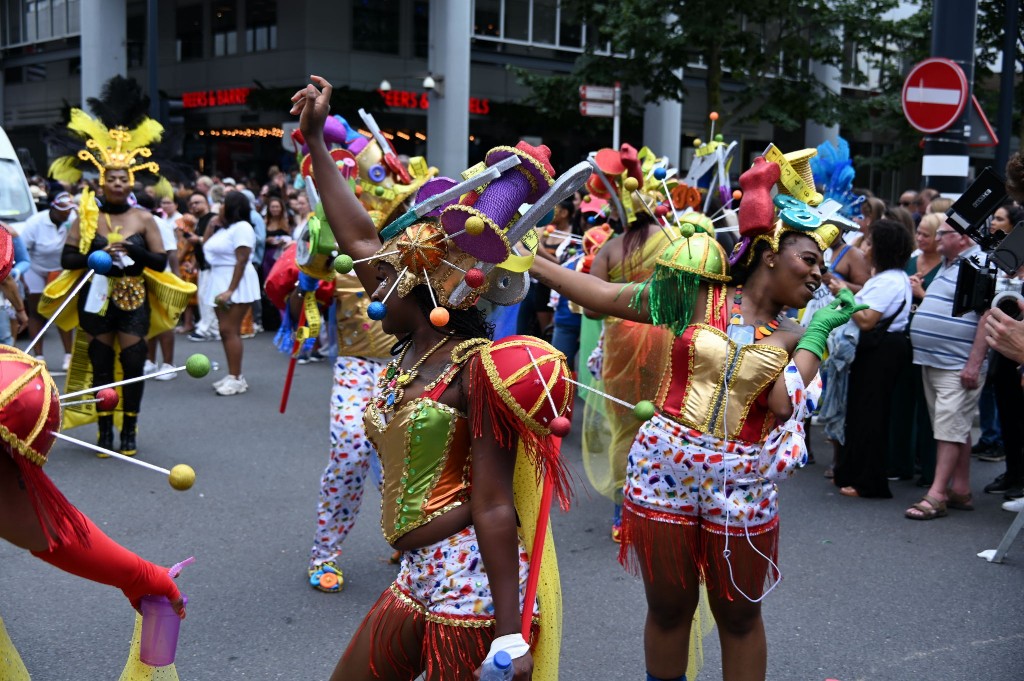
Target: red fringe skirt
(657, 543)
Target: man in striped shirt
(951, 352)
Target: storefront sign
(209, 98)
(403, 99)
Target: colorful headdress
(833, 170)
(800, 209)
(118, 139)
(460, 239)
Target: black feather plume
(121, 102)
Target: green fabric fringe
(671, 297)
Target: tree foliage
(754, 56)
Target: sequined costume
(709, 466)
(426, 453)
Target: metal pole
(617, 115)
(152, 50)
(946, 164)
(1004, 127)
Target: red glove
(103, 560)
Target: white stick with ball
(181, 477)
(197, 366)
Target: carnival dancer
(700, 495)
(136, 299)
(35, 515)
(453, 411)
(634, 354)
(362, 347)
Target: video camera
(978, 281)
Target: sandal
(960, 502)
(849, 491)
(928, 508)
(828, 472)
(326, 577)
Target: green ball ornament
(687, 230)
(644, 410)
(197, 365)
(719, 137)
(343, 264)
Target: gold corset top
(425, 453)
(720, 388)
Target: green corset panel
(425, 454)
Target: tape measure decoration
(796, 177)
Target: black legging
(1010, 403)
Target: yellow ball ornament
(474, 225)
(182, 477)
(630, 184)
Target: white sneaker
(232, 385)
(148, 368)
(165, 377)
(218, 383)
(41, 358)
(1015, 506)
(66, 363)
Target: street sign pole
(945, 164)
(616, 119)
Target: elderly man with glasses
(951, 352)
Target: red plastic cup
(160, 626)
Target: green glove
(827, 319)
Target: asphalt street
(866, 593)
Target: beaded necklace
(393, 381)
(761, 331)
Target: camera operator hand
(1005, 334)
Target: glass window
(545, 19)
(30, 20)
(136, 32)
(421, 28)
(570, 29)
(375, 25)
(224, 26)
(487, 18)
(15, 198)
(517, 19)
(43, 28)
(11, 20)
(60, 18)
(189, 32)
(260, 25)
(74, 16)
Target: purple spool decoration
(496, 206)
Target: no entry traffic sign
(935, 94)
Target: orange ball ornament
(439, 316)
(737, 194)
(713, 115)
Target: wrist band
(513, 644)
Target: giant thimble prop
(479, 222)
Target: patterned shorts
(678, 472)
(447, 582)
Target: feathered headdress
(119, 138)
(833, 170)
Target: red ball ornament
(475, 278)
(108, 399)
(661, 210)
(560, 426)
(439, 316)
